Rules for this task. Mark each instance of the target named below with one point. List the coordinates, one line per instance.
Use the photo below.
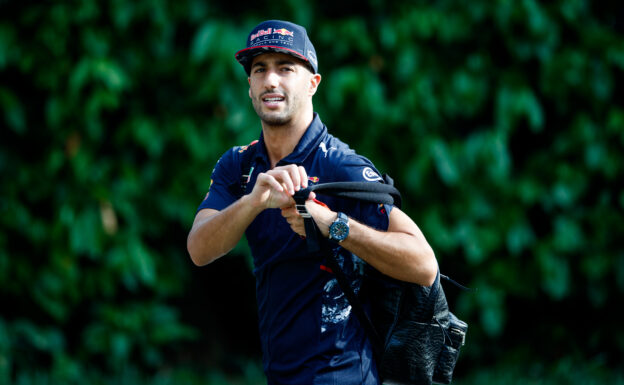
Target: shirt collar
(310, 140)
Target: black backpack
(415, 338)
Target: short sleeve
(357, 168)
(225, 174)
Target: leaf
(568, 235)
(520, 237)
(143, 262)
(492, 314)
(110, 74)
(555, 274)
(84, 233)
(445, 164)
(513, 103)
(203, 41)
(13, 111)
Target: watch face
(339, 231)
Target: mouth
(273, 100)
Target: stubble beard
(275, 118)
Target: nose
(272, 79)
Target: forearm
(401, 252)
(406, 257)
(217, 232)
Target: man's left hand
(321, 214)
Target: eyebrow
(261, 63)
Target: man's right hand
(215, 233)
(275, 188)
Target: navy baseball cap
(278, 36)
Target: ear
(315, 80)
(249, 81)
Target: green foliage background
(501, 121)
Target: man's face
(279, 86)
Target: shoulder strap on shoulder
(246, 169)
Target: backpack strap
(384, 193)
(434, 291)
(366, 191)
(239, 188)
(370, 192)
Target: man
(308, 332)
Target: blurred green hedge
(501, 122)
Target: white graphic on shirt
(335, 306)
(324, 148)
(370, 175)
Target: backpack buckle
(301, 209)
(300, 198)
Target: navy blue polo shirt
(309, 335)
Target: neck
(280, 141)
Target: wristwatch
(339, 229)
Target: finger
(312, 196)
(289, 212)
(291, 183)
(304, 176)
(270, 181)
(284, 177)
(290, 203)
(295, 176)
(287, 207)
(294, 221)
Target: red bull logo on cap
(284, 32)
(270, 31)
